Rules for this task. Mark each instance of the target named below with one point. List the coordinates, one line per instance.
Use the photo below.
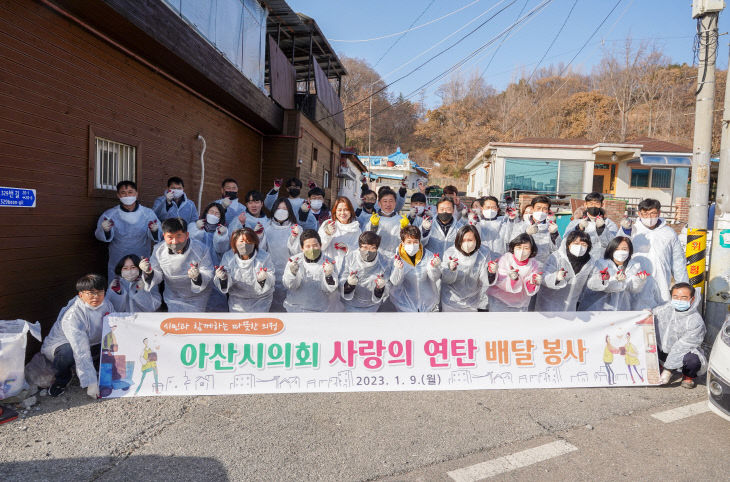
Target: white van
(718, 373)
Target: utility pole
(706, 12)
(370, 120)
(718, 285)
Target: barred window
(114, 162)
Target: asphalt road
(598, 434)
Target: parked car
(718, 373)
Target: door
(604, 178)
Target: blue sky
(669, 22)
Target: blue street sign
(13, 197)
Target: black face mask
(368, 256)
(594, 211)
(293, 191)
(368, 206)
(445, 218)
(231, 195)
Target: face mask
(177, 193)
(445, 218)
(539, 216)
(490, 213)
(522, 254)
(316, 204)
(281, 215)
(621, 256)
(468, 246)
(368, 206)
(594, 211)
(94, 308)
(231, 195)
(368, 256)
(245, 249)
(477, 211)
(294, 192)
(212, 218)
(420, 210)
(175, 247)
(649, 222)
(312, 254)
(411, 249)
(526, 217)
(128, 200)
(130, 274)
(578, 250)
(681, 305)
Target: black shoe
(56, 390)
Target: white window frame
(121, 167)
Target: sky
(669, 23)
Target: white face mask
(212, 218)
(420, 209)
(281, 215)
(578, 250)
(522, 254)
(490, 213)
(128, 200)
(411, 249)
(621, 256)
(130, 274)
(539, 216)
(526, 217)
(316, 204)
(177, 193)
(649, 222)
(468, 246)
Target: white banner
(225, 353)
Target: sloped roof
(576, 141)
(649, 144)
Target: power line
(404, 33)
(553, 42)
(502, 41)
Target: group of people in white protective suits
(275, 252)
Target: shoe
(688, 382)
(666, 377)
(56, 390)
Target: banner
(226, 353)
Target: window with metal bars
(114, 162)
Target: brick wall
(328, 158)
(682, 210)
(615, 209)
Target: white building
(640, 168)
(394, 168)
(350, 174)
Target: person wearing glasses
(75, 338)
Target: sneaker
(56, 390)
(688, 382)
(666, 377)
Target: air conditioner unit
(701, 7)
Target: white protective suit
(389, 231)
(462, 290)
(79, 325)
(345, 235)
(308, 290)
(562, 295)
(416, 288)
(663, 253)
(679, 333)
(133, 298)
(181, 294)
(362, 298)
(217, 245)
(494, 233)
(245, 293)
(233, 210)
(251, 223)
(613, 294)
(363, 217)
(436, 240)
(130, 234)
(272, 196)
(185, 209)
(543, 239)
(281, 246)
(506, 295)
(599, 241)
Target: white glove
(220, 273)
(531, 229)
(464, 212)
(600, 222)
(242, 219)
(427, 223)
(642, 275)
(552, 228)
(514, 274)
(277, 184)
(626, 224)
(106, 225)
(537, 279)
(620, 275)
(258, 229)
(222, 230)
(328, 268)
(412, 213)
(193, 271)
(169, 196)
(261, 274)
(226, 202)
(492, 267)
(329, 228)
(380, 282)
(511, 213)
(583, 224)
(436, 261)
(560, 276)
(453, 263)
(153, 226)
(144, 265)
(398, 262)
(352, 279)
(473, 219)
(116, 286)
(305, 206)
(93, 390)
(293, 266)
(200, 223)
(296, 230)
